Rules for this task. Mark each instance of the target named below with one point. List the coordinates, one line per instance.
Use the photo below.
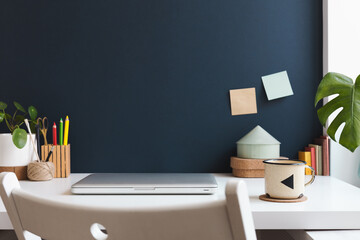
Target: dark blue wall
(145, 82)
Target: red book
(54, 135)
(324, 142)
(313, 156)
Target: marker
(51, 151)
(66, 130)
(37, 132)
(54, 135)
(61, 132)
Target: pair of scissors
(43, 125)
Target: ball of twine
(40, 171)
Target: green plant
(349, 100)
(13, 122)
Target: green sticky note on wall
(277, 85)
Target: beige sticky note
(243, 101)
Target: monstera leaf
(349, 100)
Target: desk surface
(331, 204)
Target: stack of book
(316, 155)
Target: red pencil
(54, 134)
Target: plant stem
(14, 114)
(7, 123)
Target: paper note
(277, 85)
(243, 101)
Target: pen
(66, 130)
(37, 132)
(61, 132)
(51, 151)
(54, 135)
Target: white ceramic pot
(11, 156)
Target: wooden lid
(248, 163)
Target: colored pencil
(61, 132)
(54, 134)
(66, 130)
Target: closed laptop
(146, 183)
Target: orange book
(306, 156)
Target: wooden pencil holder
(60, 158)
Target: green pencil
(61, 132)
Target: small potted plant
(15, 147)
(348, 99)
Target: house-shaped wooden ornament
(258, 144)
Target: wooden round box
(248, 167)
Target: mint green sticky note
(277, 85)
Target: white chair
(52, 220)
(334, 234)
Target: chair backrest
(52, 220)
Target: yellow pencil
(66, 130)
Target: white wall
(342, 54)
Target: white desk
(331, 204)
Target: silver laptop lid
(148, 180)
(146, 183)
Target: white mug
(285, 179)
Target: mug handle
(312, 175)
